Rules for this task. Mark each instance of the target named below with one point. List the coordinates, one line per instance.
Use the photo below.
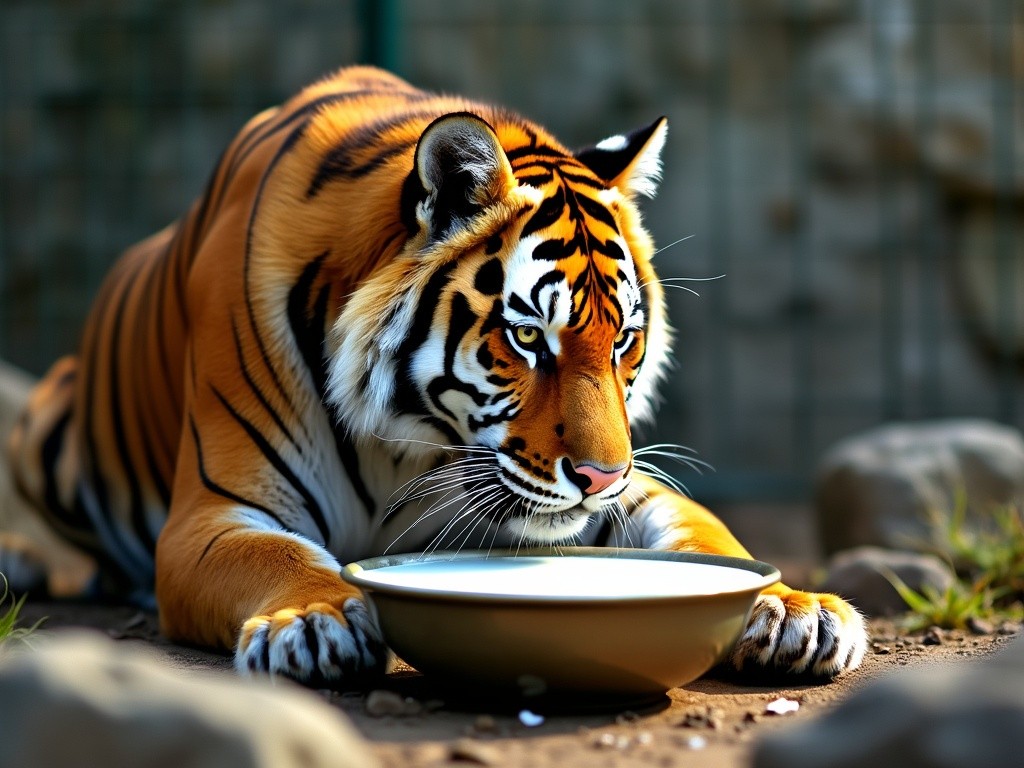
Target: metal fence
(853, 168)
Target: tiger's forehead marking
(575, 241)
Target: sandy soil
(712, 722)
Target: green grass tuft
(10, 632)
(988, 561)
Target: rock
(81, 699)
(857, 575)
(877, 488)
(381, 703)
(960, 715)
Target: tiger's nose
(591, 479)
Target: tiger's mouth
(527, 512)
(546, 526)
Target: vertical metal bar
(7, 174)
(882, 21)
(1003, 155)
(801, 262)
(928, 257)
(379, 24)
(97, 183)
(720, 241)
(45, 332)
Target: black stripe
(344, 161)
(137, 508)
(535, 151)
(597, 211)
(284, 149)
(547, 213)
(211, 542)
(535, 179)
(309, 331)
(279, 464)
(549, 278)
(243, 366)
(96, 481)
(517, 304)
(199, 216)
(220, 490)
(166, 258)
(310, 109)
(350, 461)
(407, 398)
(151, 419)
(73, 523)
(585, 181)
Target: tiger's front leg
(230, 578)
(789, 631)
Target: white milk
(565, 577)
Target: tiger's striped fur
(392, 320)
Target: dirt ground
(713, 722)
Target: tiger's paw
(318, 645)
(802, 633)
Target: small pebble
(882, 650)
(1008, 628)
(380, 703)
(709, 717)
(933, 636)
(605, 740)
(781, 706)
(980, 626)
(530, 719)
(696, 742)
(485, 724)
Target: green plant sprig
(9, 629)
(988, 563)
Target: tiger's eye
(527, 334)
(621, 338)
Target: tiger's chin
(541, 527)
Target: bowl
(562, 621)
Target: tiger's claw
(315, 645)
(820, 635)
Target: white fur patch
(258, 521)
(612, 143)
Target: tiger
(393, 321)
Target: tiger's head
(522, 323)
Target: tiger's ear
(631, 162)
(462, 169)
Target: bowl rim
(353, 574)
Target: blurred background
(853, 167)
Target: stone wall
(853, 168)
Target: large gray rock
(968, 715)
(858, 574)
(877, 488)
(82, 700)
